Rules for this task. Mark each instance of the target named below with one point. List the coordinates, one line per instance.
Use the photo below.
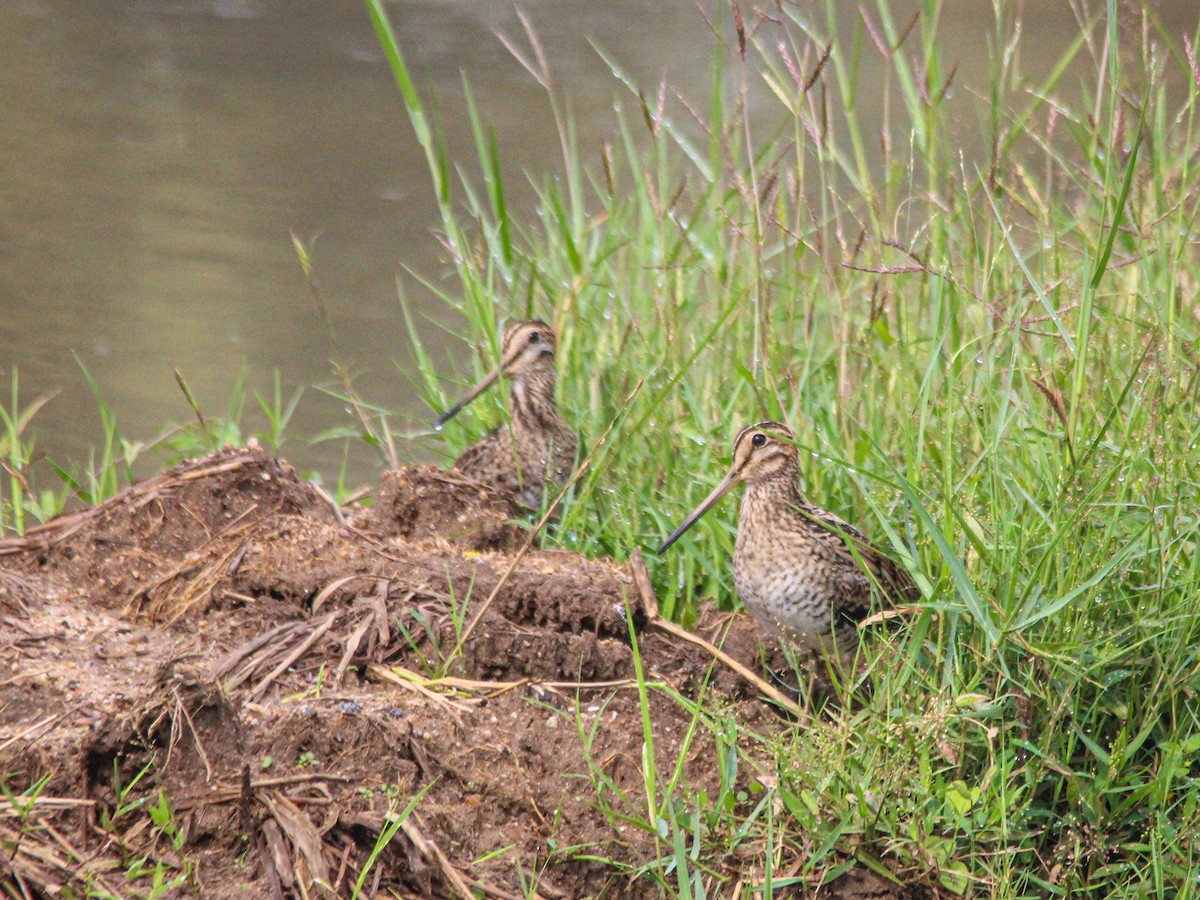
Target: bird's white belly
(784, 602)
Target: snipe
(536, 448)
(804, 573)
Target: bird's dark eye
(759, 439)
(535, 337)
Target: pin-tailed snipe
(803, 572)
(536, 447)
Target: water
(159, 155)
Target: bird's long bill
(705, 505)
(488, 381)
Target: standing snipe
(800, 570)
(536, 448)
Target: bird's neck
(531, 403)
(781, 488)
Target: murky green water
(156, 155)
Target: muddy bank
(289, 676)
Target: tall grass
(988, 359)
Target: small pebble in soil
(396, 712)
(349, 707)
(306, 710)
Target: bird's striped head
(763, 451)
(760, 452)
(525, 345)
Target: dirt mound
(276, 681)
(428, 504)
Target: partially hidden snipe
(536, 448)
(793, 562)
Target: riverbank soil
(220, 680)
